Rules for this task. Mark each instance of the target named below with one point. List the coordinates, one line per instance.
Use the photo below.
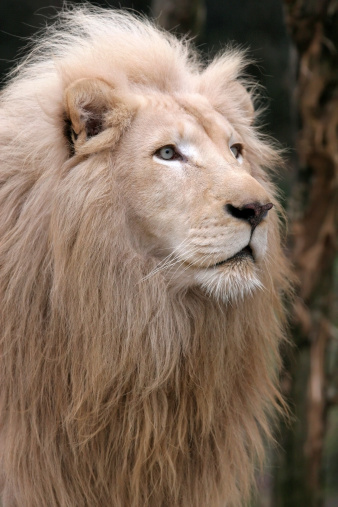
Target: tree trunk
(314, 28)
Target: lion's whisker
(167, 262)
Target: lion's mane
(116, 390)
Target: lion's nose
(253, 212)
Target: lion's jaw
(180, 211)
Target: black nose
(253, 212)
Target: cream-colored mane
(139, 349)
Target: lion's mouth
(245, 253)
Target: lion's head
(196, 199)
(141, 271)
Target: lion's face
(194, 195)
(193, 201)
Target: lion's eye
(237, 150)
(168, 153)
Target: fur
(124, 381)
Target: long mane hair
(115, 389)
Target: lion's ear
(95, 114)
(221, 83)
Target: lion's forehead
(189, 120)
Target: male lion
(141, 272)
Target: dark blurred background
(294, 46)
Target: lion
(142, 272)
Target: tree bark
(314, 29)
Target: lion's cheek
(162, 210)
(164, 223)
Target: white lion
(141, 272)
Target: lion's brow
(204, 115)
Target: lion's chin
(243, 255)
(230, 281)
